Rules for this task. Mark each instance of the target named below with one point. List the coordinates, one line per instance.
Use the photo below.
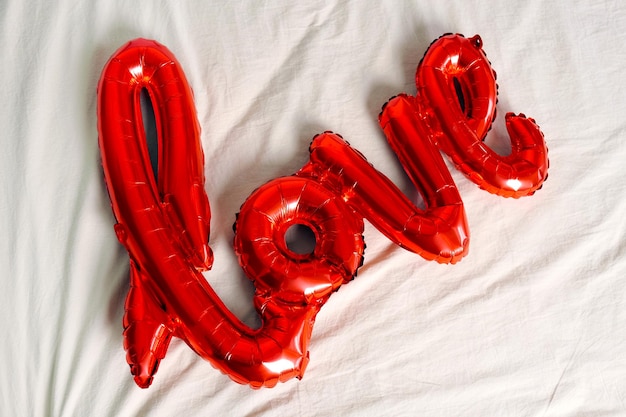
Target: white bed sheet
(531, 323)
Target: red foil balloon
(163, 216)
(439, 232)
(456, 98)
(164, 225)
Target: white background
(531, 323)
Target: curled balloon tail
(457, 95)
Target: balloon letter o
(265, 256)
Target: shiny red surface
(439, 232)
(164, 222)
(457, 66)
(165, 227)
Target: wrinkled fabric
(530, 322)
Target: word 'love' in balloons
(163, 214)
